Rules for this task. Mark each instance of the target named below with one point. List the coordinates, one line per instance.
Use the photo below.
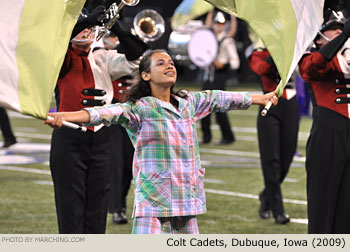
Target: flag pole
(279, 91)
(70, 125)
(266, 108)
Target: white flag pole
(71, 125)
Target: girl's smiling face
(162, 70)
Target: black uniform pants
(328, 172)
(122, 169)
(224, 124)
(221, 117)
(81, 165)
(277, 134)
(6, 127)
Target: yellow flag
(34, 37)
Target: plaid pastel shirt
(166, 167)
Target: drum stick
(71, 125)
(267, 107)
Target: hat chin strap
(81, 41)
(323, 36)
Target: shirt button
(186, 164)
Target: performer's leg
(69, 159)
(227, 135)
(205, 125)
(117, 169)
(325, 163)
(289, 133)
(9, 137)
(269, 147)
(342, 209)
(165, 225)
(98, 182)
(127, 171)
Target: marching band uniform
(277, 134)
(81, 162)
(328, 158)
(83, 159)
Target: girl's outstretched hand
(264, 99)
(56, 120)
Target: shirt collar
(182, 102)
(167, 105)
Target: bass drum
(193, 44)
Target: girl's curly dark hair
(143, 88)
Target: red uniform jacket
(267, 72)
(86, 79)
(322, 76)
(75, 76)
(120, 88)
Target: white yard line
(241, 153)
(251, 196)
(230, 152)
(221, 192)
(21, 169)
(302, 136)
(256, 197)
(208, 190)
(32, 135)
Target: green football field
(233, 180)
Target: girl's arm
(81, 116)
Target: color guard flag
(287, 27)
(34, 37)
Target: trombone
(111, 16)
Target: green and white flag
(287, 27)
(34, 36)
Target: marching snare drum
(193, 44)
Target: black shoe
(282, 219)
(204, 141)
(264, 214)
(9, 143)
(119, 218)
(225, 142)
(264, 211)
